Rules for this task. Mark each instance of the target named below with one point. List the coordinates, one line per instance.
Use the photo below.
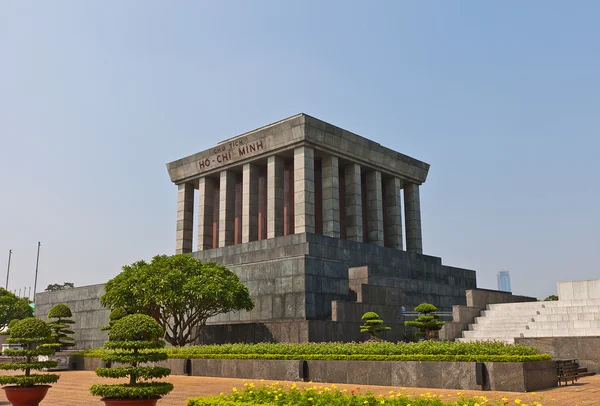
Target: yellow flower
(518, 401)
(235, 389)
(365, 402)
(382, 402)
(262, 380)
(504, 399)
(391, 392)
(533, 393)
(476, 404)
(334, 386)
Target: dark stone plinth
(583, 349)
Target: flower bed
(371, 351)
(275, 395)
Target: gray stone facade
(88, 313)
(309, 277)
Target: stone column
(304, 190)
(227, 209)
(206, 191)
(185, 218)
(374, 208)
(393, 213)
(331, 196)
(250, 203)
(354, 222)
(412, 213)
(275, 191)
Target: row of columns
(383, 205)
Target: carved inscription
(230, 152)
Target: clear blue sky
(502, 99)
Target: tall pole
(8, 269)
(37, 262)
(29, 294)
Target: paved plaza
(73, 389)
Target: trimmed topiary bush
(115, 315)
(373, 325)
(134, 340)
(427, 322)
(31, 332)
(60, 327)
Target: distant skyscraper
(504, 281)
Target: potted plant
(28, 389)
(134, 340)
(60, 327)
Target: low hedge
(370, 351)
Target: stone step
(566, 317)
(494, 326)
(470, 340)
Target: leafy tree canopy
(55, 286)
(13, 307)
(180, 292)
(551, 298)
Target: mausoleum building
(321, 224)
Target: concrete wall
(89, 315)
(579, 290)
(498, 376)
(584, 349)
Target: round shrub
(136, 327)
(30, 328)
(118, 313)
(12, 323)
(60, 311)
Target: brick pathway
(72, 390)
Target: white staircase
(504, 322)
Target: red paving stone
(73, 389)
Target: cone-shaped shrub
(30, 332)
(115, 315)
(134, 341)
(61, 313)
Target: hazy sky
(501, 98)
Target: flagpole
(8, 269)
(37, 261)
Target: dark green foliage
(60, 327)
(427, 322)
(551, 298)
(138, 327)
(60, 311)
(373, 325)
(13, 307)
(55, 286)
(115, 314)
(32, 332)
(372, 350)
(134, 340)
(179, 291)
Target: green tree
(373, 325)
(13, 307)
(60, 326)
(55, 286)
(31, 332)
(114, 316)
(180, 292)
(427, 322)
(551, 298)
(134, 343)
